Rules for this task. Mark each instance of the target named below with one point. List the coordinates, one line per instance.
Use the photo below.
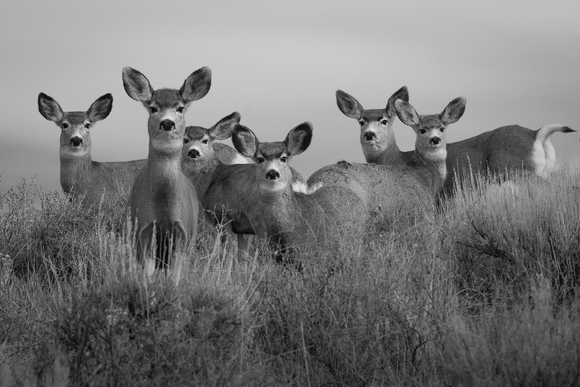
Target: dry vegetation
(484, 293)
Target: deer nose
(435, 140)
(272, 175)
(193, 154)
(166, 125)
(76, 141)
(369, 136)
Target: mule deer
(202, 157)
(163, 201)
(376, 134)
(80, 176)
(401, 190)
(204, 160)
(288, 219)
(505, 149)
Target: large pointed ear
(245, 141)
(299, 138)
(101, 108)
(223, 129)
(406, 113)
(348, 105)
(453, 111)
(197, 85)
(137, 85)
(402, 94)
(49, 108)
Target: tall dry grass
(484, 292)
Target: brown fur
(164, 204)
(508, 148)
(290, 220)
(80, 176)
(400, 191)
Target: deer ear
(406, 113)
(101, 108)
(223, 129)
(245, 141)
(348, 105)
(402, 94)
(454, 111)
(197, 85)
(298, 139)
(137, 85)
(49, 108)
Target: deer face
(75, 136)
(166, 123)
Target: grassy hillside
(483, 293)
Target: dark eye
(442, 129)
(186, 140)
(384, 121)
(205, 141)
(153, 109)
(361, 122)
(422, 131)
(180, 109)
(283, 159)
(64, 125)
(260, 160)
(87, 126)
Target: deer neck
(389, 154)
(164, 169)
(277, 209)
(202, 176)
(432, 169)
(75, 173)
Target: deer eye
(152, 109)
(442, 130)
(180, 109)
(422, 131)
(204, 141)
(260, 159)
(64, 125)
(87, 126)
(283, 159)
(186, 140)
(361, 122)
(384, 121)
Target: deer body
(505, 149)
(80, 175)
(163, 201)
(293, 220)
(202, 156)
(508, 148)
(401, 190)
(225, 185)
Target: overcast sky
(279, 63)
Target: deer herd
(252, 190)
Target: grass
(482, 293)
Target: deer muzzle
(166, 125)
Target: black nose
(369, 136)
(76, 141)
(272, 175)
(435, 140)
(193, 154)
(166, 125)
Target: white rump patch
(239, 159)
(300, 187)
(538, 158)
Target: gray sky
(279, 63)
